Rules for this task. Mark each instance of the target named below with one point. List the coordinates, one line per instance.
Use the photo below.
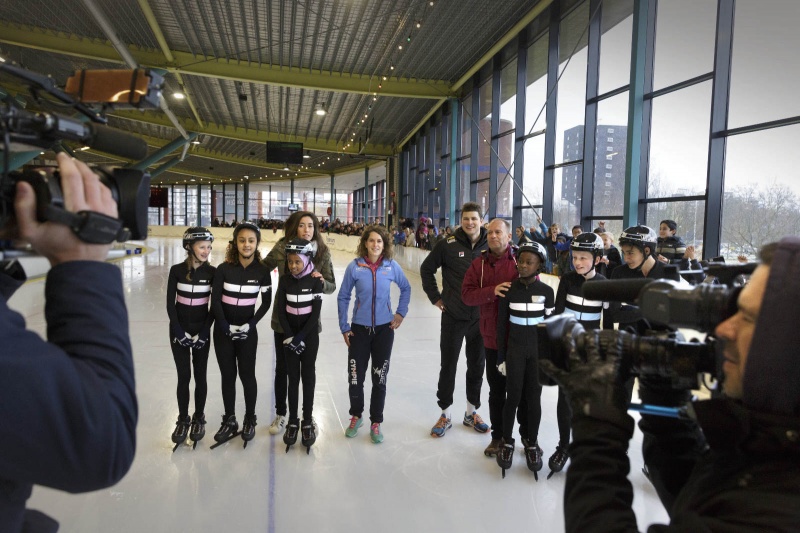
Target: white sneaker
(278, 425)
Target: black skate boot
(533, 456)
(181, 430)
(290, 436)
(248, 428)
(558, 460)
(505, 456)
(309, 436)
(198, 430)
(228, 430)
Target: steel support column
(550, 114)
(590, 119)
(630, 213)
(454, 174)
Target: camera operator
(744, 475)
(67, 405)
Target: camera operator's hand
(594, 385)
(82, 192)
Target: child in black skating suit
(587, 253)
(298, 303)
(526, 304)
(188, 294)
(237, 284)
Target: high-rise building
(609, 167)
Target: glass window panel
(764, 72)
(679, 142)
(179, 205)
(191, 205)
(482, 196)
(422, 146)
(609, 165)
(536, 90)
(463, 180)
(533, 170)
(684, 45)
(690, 217)
(508, 97)
(567, 199)
(505, 176)
(466, 126)
(615, 44)
(485, 132)
(572, 86)
(762, 191)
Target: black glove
(180, 337)
(593, 382)
(202, 339)
(296, 344)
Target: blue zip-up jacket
(373, 296)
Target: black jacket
(742, 474)
(747, 481)
(67, 405)
(453, 255)
(188, 296)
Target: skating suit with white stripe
(188, 294)
(298, 303)
(570, 300)
(238, 288)
(519, 312)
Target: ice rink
(411, 482)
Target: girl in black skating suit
(188, 294)
(237, 283)
(298, 303)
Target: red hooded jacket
(483, 275)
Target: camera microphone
(57, 127)
(625, 290)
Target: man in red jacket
(488, 278)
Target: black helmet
(250, 226)
(194, 234)
(588, 242)
(533, 247)
(301, 247)
(640, 236)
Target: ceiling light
(307, 155)
(320, 110)
(419, 24)
(195, 141)
(399, 46)
(177, 95)
(2, 60)
(286, 167)
(83, 148)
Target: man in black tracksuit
(742, 473)
(459, 321)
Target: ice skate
(533, 456)
(198, 428)
(290, 436)
(248, 428)
(181, 430)
(505, 456)
(228, 430)
(557, 460)
(309, 435)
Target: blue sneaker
(355, 423)
(442, 425)
(476, 422)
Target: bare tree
(753, 216)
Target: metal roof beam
(186, 63)
(241, 134)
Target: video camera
(666, 305)
(24, 130)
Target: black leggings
(497, 400)
(281, 377)
(365, 343)
(298, 366)
(230, 356)
(522, 381)
(186, 358)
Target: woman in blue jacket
(371, 331)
